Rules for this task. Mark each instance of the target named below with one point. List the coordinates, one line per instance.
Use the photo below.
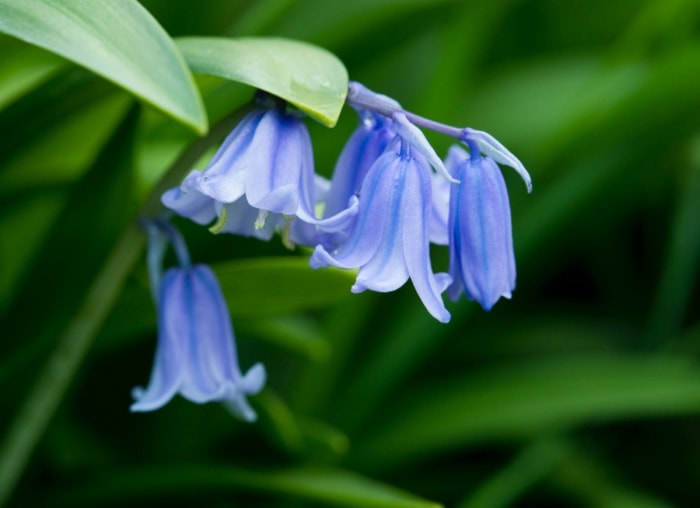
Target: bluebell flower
(267, 159)
(366, 144)
(261, 178)
(389, 240)
(482, 262)
(195, 354)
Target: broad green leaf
(117, 40)
(335, 487)
(267, 286)
(516, 402)
(311, 78)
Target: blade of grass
(53, 381)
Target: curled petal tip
(419, 142)
(491, 147)
(362, 97)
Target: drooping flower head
(383, 207)
(389, 241)
(266, 161)
(482, 261)
(259, 181)
(196, 354)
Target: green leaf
(680, 271)
(267, 286)
(117, 40)
(521, 401)
(589, 481)
(98, 204)
(334, 487)
(529, 467)
(309, 77)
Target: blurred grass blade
(521, 401)
(311, 78)
(72, 345)
(300, 437)
(590, 482)
(683, 259)
(402, 347)
(109, 179)
(117, 40)
(529, 467)
(320, 486)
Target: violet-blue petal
(416, 213)
(196, 353)
(389, 241)
(366, 144)
(187, 201)
(244, 149)
(167, 373)
(386, 270)
(482, 261)
(442, 188)
(366, 235)
(491, 147)
(415, 137)
(282, 179)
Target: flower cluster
(196, 351)
(389, 198)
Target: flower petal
(491, 147)
(225, 175)
(283, 179)
(481, 251)
(167, 373)
(386, 270)
(187, 201)
(417, 195)
(419, 142)
(366, 144)
(366, 236)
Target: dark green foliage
(584, 390)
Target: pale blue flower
(389, 241)
(259, 181)
(196, 353)
(266, 160)
(482, 262)
(366, 144)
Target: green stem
(41, 403)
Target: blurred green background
(583, 390)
